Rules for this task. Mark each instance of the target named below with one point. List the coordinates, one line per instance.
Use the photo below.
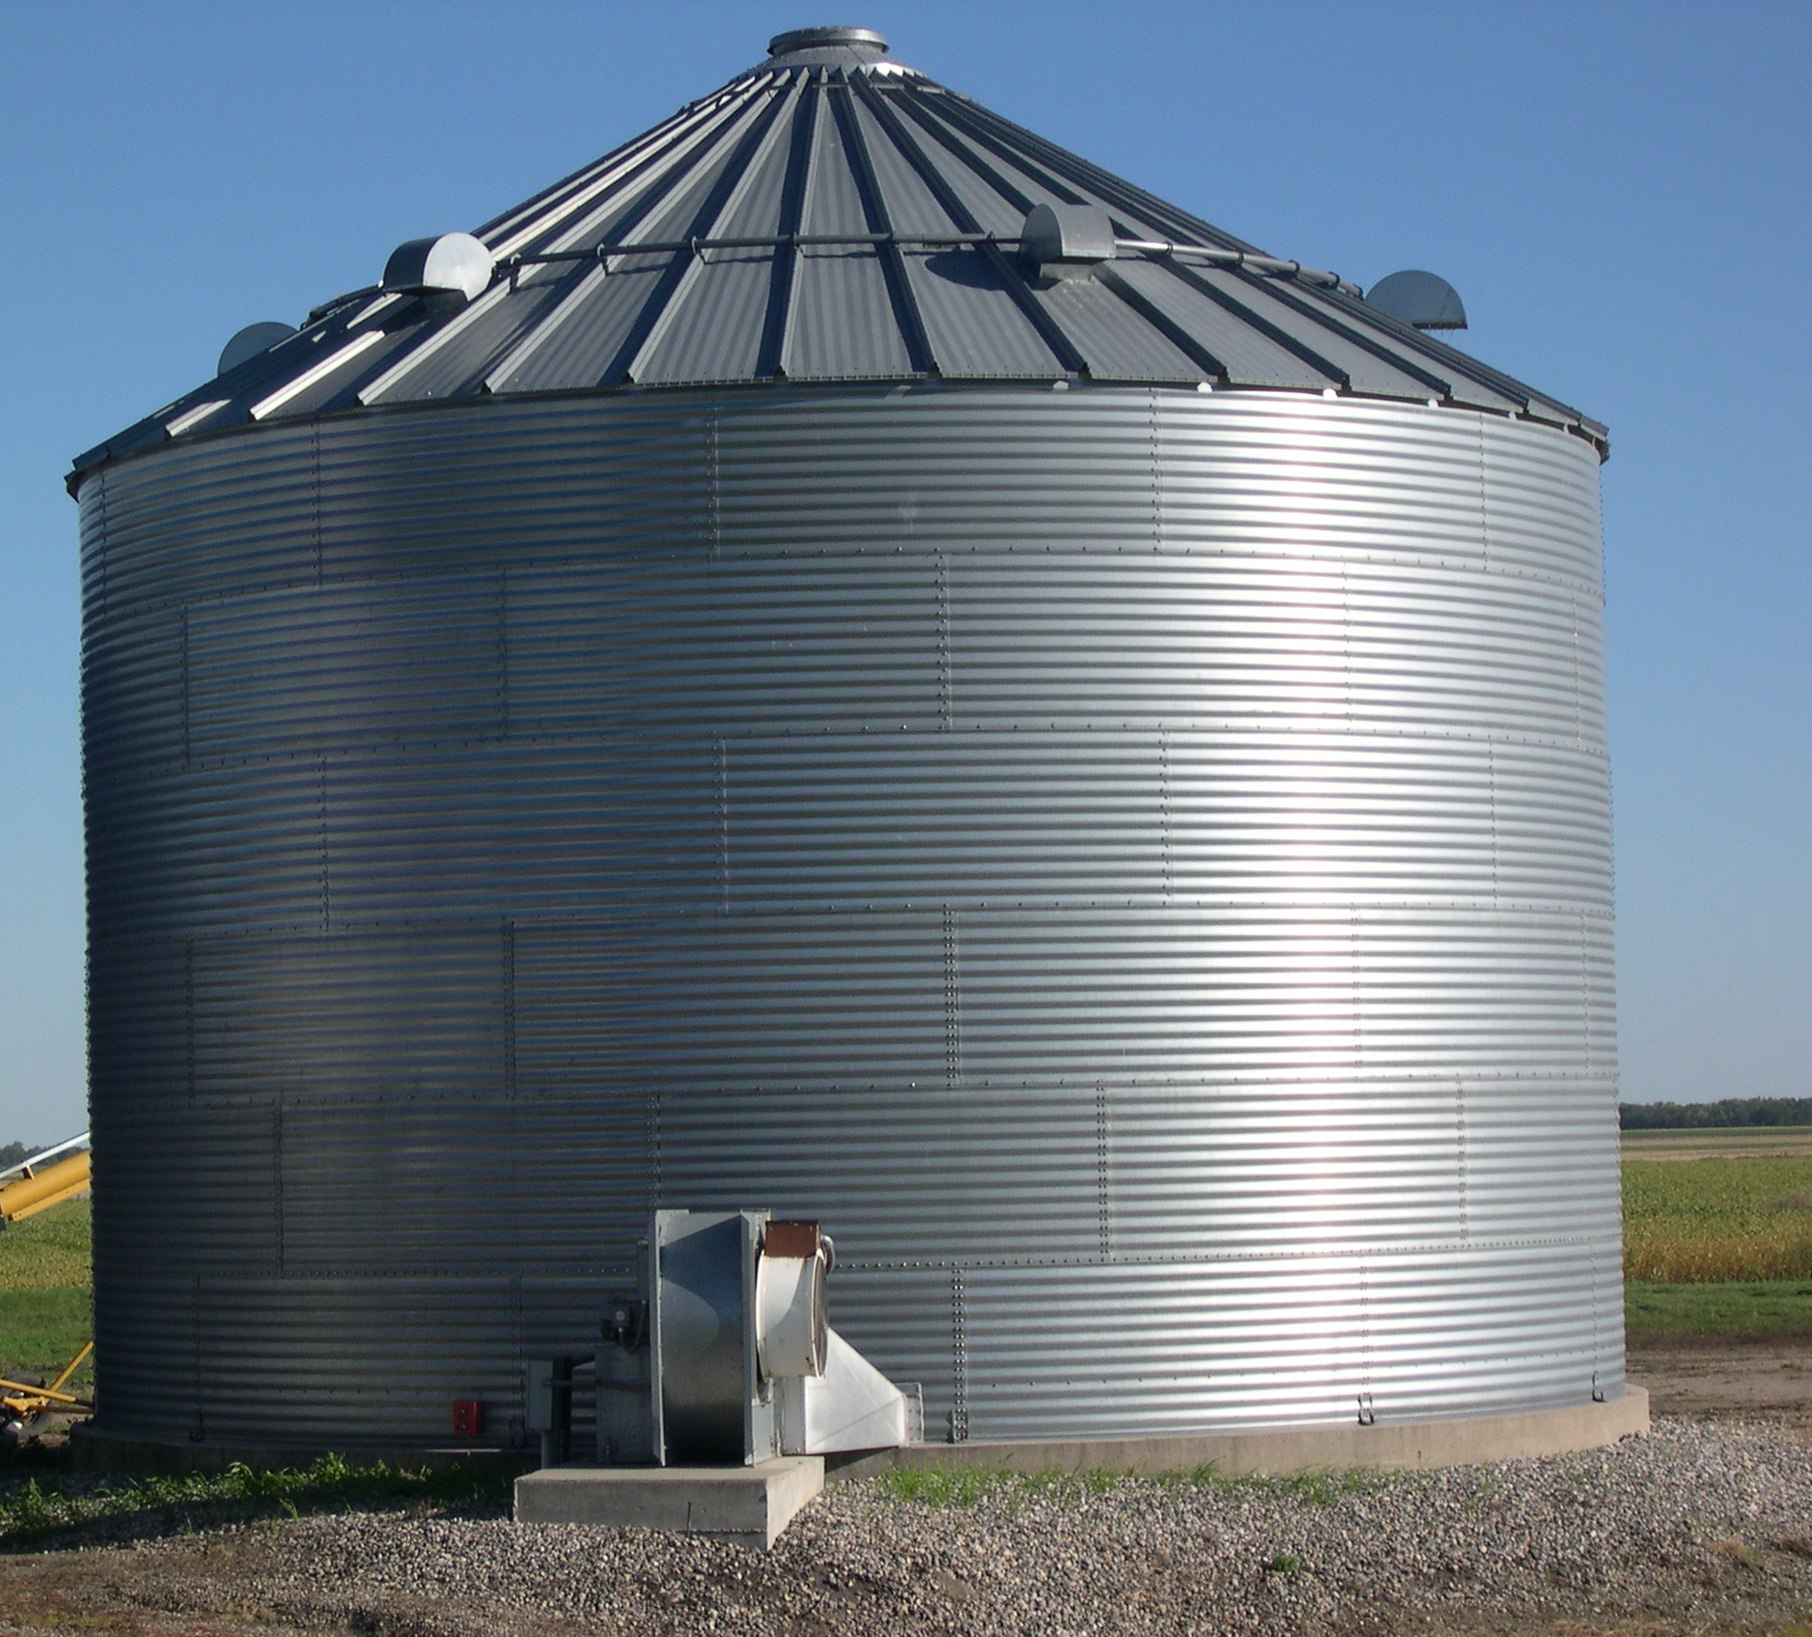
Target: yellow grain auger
(44, 1180)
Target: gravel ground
(1700, 1526)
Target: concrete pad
(1445, 1441)
(748, 1505)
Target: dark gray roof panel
(1248, 355)
(717, 336)
(843, 329)
(912, 205)
(1092, 314)
(1320, 342)
(923, 194)
(971, 318)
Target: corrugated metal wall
(1135, 862)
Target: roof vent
(252, 340)
(864, 40)
(1425, 300)
(455, 262)
(1066, 241)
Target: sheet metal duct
(1135, 857)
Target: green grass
(31, 1511)
(1779, 1307)
(46, 1311)
(36, 1327)
(942, 1487)
(1725, 1220)
(945, 1487)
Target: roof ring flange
(865, 40)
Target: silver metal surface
(701, 1333)
(1156, 843)
(777, 230)
(451, 264)
(864, 42)
(1425, 300)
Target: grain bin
(844, 660)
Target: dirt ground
(191, 1587)
(1770, 1141)
(1712, 1377)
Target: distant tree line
(12, 1153)
(1726, 1111)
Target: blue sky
(1619, 188)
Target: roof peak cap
(866, 42)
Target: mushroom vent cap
(453, 262)
(1425, 300)
(249, 342)
(1066, 241)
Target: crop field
(1734, 1209)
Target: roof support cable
(659, 177)
(651, 164)
(1246, 261)
(654, 180)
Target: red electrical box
(468, 1417)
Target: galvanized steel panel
(1135, 862)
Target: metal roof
(832, 215)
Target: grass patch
(46, 1309)
(31, 1511)
(1318, 1486)
(1717, 1221)
(41, 1331)
(1781, 1307)
(943, 1487)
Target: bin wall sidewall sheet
(1134, 863)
